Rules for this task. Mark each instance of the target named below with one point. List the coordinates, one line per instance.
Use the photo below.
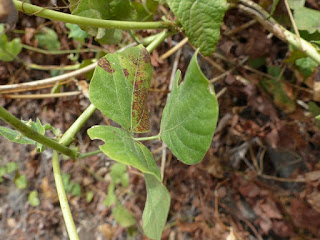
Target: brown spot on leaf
(106, 65)
(126, 73)
(146, 56)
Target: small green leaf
(15, 136)
(119, 174)
(120, 146)
(9, 49)
(76, 32)
(89, 196)
(37, 126)
(296, 3)
(111, 196)
(318, 117)
(307, 19)
(157, 206)
(120, 85)
(76, 190)
(21, 181)
(306, 66)
(201, 20)
(68, 185)
(123, 216)
(48, 39)
(12, 167)
(33, 198)
(107, 10)
(190, 115)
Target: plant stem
(88, 154)
(67, 137)
(32, 134)
(84, 21)
(67, 216)
(160, 38)
(58, 52)
(147, 138)
(269, 23)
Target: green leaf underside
(190, 115)
(123, 216)
(120, 146)
(120, 85)
(106, 10)
(15, 136)
(157, 207)
(307, 19)
(201, 20)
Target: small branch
(147, 138)
(41, 96)
(84, 21)
(269, 23)
(174, 49)
(30, 133)
(68, 136)
(53, 67)
(58, 52)
(67, 216)
(160, 38)
(44, 82)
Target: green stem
(159, 39)
(58, 52)
(147, 138)
(67, 216)
(84, 21)
(67, 137)
(30, 133)
(88, 154)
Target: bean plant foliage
(119, 89)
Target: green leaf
(306, 66)
(120, 85)
(11, 167)
(201, 20)
(190, 115)
(76, 190)
(307, 19)
(120, 146)
(123, 216)
(111, 196)
(9, 49)
(33, 198)
(296, 3)
(107, 9)
(89, 196)
(38, 127)
(15, 136)
(145, 10)
(119, 174)
(76, 32)
(21, 181)
(48, 39)
(156, 209)
(68, 185)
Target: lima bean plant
(119, 88)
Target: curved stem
(75, 127)
(160, 38)
(32, 134)
(67, 216)
(84, 21)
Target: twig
(44, 82)
(174, 49)
(41, 96)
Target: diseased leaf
(156, 209)
(190, 115)
(15, 136)
(120, 85)
(201, 20)
(106, 10)
(307, 19)
(120, 146)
